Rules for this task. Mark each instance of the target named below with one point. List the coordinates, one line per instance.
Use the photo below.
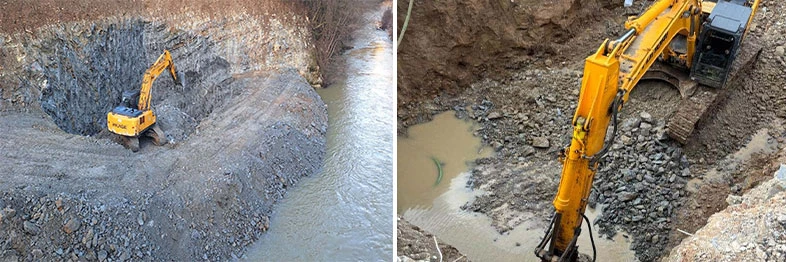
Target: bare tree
(332, 23)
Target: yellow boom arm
(668, 30)
(609, 76)
(163, 62)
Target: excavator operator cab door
(714, 57)
(719, 41)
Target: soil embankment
(247, 126)
(749, 229)
(649, 185)
(450, 45)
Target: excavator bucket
(181, 80)
(675, 77)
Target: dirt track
(247, 126)
(650, 185)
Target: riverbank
(343, 212)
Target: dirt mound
(447, 46)
(750, 229)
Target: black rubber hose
(615, 107)
(592, 240)
(548, 232)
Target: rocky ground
(751, 228)
(417, 245)
(215, 190)
(247, 126)
(650, 185)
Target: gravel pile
(73, 227)
(640, 184)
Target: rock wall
(751, 228)
(94, 59)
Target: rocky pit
(83, 79)
(519, 79)
(247, 126)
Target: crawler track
(695, 107)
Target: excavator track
(690, 110)
(157, 135)
(695, 106)
(130, 142)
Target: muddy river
(437, 207)
(345, 212)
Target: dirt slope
(26, 16)
(449, 45)
(749, 229)
(417, 245)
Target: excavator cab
(130, 98)
(718, 43)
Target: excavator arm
(163, 62)
(609, 76)
(667, 31)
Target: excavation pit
(246, 127)
(86, 68)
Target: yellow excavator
(131, 120)
(699, 38)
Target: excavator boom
(163, 62)
(667, 31)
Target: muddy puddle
(437, 209)
(760, 143)
(446, 140)
(343, 213)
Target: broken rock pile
(640, 183)
(752, 228)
